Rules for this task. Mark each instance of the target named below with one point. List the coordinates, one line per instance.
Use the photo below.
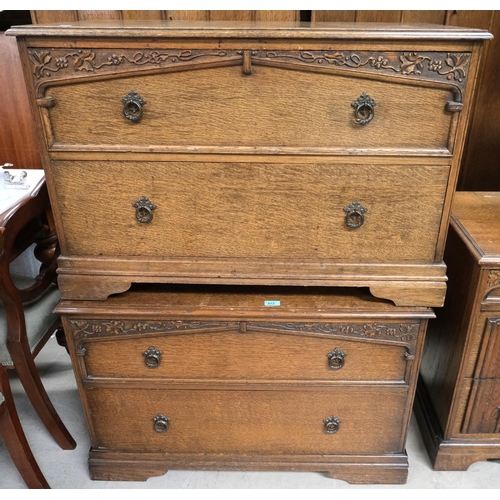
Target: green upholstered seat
(38, 317)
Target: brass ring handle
(132, 106)
(144, 210)
(336, 359)
(152, 357)
(332, 424)
(160, 423)
(363, 109)
(355, 214)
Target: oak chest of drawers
(459, 392)
(252, 154)
(247, 379)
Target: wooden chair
(26, 320)
(14, 438)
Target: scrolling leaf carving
(51, 61)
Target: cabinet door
(484, 406)
(483, 414)
(488, 361)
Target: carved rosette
(58, 64)
(493, 279)
(404, 333)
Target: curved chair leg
(15, 439)
(29, 377)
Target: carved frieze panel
(59, 64)
(404, 333)
(450, 68)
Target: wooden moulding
(403, 292)
(114, 466)
(283, 30)
(456, 454)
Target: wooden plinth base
(448, 455)
(93, 278)
(115, 466)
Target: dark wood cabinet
(459, 391)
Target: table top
(34, 181)
(476, 215)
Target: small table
(26, 264)
(458, 395)
(34, 181)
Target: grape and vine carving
(404, 333)
(446, 67)
(452, 66)
(47, 62)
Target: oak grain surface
(267, 108)
(249, 421)
(240, 210)
(246, 356)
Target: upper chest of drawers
(290, 154)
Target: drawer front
(219, 421)
(222, 351)
(274, 107)
(251, 210)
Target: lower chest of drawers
(183, 379)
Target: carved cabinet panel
(484, 408)
(459, 391)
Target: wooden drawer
(241, 421)
(251, 210)
(275, 107)
(220, 351)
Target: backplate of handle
(332, 424)
(132, 106)
(364, 109)
(160, 423)
(336, 359)
(144, 210)
(152, 357)
(355, 214)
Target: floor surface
(68, 469)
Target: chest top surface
(224, 29)
(477, 216)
